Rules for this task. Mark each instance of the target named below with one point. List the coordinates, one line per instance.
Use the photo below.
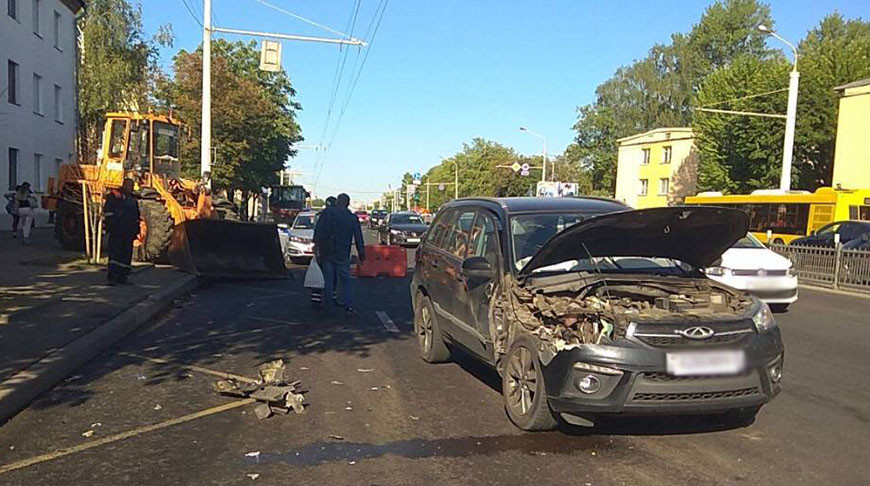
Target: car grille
(661, 377)
(694, 396)
(677, 340)
(754, 273)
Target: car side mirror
(476, 267)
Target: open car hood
(696, 235)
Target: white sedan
(297, 240)
(750, 266)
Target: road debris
(253, 476)
(335, 382)
(254, 454)
(336, 437)
(96, 424)
(273, 392)
(88, 433)
(413, 417)
(364, 370)
(158, 407)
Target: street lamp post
(790, 115)
(544, 154)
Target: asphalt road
(380, 415)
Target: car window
(829, 229)
(484, 240)
(441, 228)
(530, 231)
(407, 219)
(748, 241)
(457, 242)
(304, 221)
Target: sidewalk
(50, 298)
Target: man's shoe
(349, 310)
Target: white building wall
(47, 132)
(627, 170)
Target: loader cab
(141, 144)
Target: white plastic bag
(314, 276)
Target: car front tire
(523, 388)
(429, 340)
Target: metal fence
(829, 267)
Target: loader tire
(225, 209)
(69, 227)
(157, 226)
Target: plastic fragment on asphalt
(141, 377)
(273, 392)
(414, 418)
(336, 437)
(335, 382)
(158, 407)
(96, 424)
(255, 454)
(304, 368)
(352, 463)
(253, 476)
(87, 433)
(262, 411)
(364, 370)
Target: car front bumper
(405, 240)
(772, 290)
(635, 381)
(296, 249)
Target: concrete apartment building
(656, 168)
(852, 153)
(37, 89)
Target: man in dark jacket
(336, 229)
(122, 224)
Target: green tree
(657, 91)
(253, 116)
(741, 153)
(117, 62)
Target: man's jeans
(336, 268)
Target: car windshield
(406, 219)
(531, 231)
(305, 221)
(748, 241)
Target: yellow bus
(785, 216)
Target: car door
(455, 249)
(432, 265)
(474, 295)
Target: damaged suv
(588, 308)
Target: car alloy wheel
(429, 339)
(424, 330)
(522, 382)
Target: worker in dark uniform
(122, 225)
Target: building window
(57, 30)
(57, 164)
(663, 186)
(644, 187)
(37, 94)
(646, 156)
(12, 82)
(13, 167)
(12, 8)
(36, 5)
(37, 172)
(666, 155)
(58, 104)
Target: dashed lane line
(5, 468)
(388, 323)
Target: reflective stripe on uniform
(116, 262)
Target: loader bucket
(225, 248)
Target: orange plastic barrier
(386, 260)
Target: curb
(18, 391)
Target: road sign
(524, 169)
(270, 56)
(524, 172)
(417, 178)
(411, 188)
(516, 166)
(440, 187)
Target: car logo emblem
(697, 332)
(762, 272)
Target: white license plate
(695, 363)
(413, 240)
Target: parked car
(300, 247)
(848, 231)
(403, 228)
(862, 243)
(376, 218)
(751, 266)
(585, 307)
(363, 216)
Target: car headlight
(395, 232)
(763, 318)
(283, 225)
(299, 239)
(791, 272)
(716, 271)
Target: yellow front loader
(176, 213)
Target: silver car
(300, 237)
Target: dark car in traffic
(827, 235)
(403, 228)
(587, 308)
(376, 218)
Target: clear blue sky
(441, 73)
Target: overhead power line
(747, 97)
(301, 18)
(192, 14)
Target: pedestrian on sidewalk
(336, 230)
(25, 204)
(11, 209)
(122, 224)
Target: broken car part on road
(273, 392)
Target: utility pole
(790, 114)
(543, 154)
(205, 150)
(207, 29)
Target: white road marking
(388, 323)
